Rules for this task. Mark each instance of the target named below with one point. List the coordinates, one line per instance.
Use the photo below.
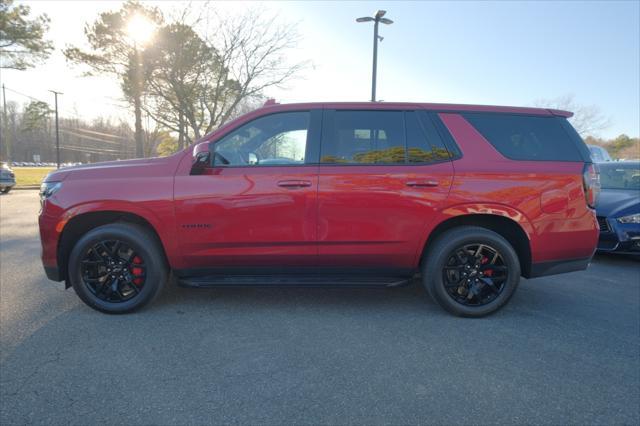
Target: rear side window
(423, 142)
(379, 137)
(524, 137)
(363, 137)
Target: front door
(256, 206)
(382, 177)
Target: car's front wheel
(471, 271)
(117, 268)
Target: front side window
(276, 139)
(379, 137)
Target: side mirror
(201, 158)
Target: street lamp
(376, 19)
(140, 31)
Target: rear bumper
(543, 269)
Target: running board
(292, 280)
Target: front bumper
(53, 273)
(619, 237)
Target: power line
(89, 151)
(93, 138)
(93, 132)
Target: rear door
(382, 177)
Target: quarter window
(276, 139)
(525, 137)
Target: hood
(106, 168)
(613, 202)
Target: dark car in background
(618, 207)
(7, 178)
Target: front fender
(163, 227)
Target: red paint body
(334, 215)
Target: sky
(475, 52)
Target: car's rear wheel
(471, 271)
(117, 268)
(6, 190)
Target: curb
(25, 187)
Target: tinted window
(363, 137)
(379, 137)
(423, 142)
(522, 137)
(615, 175)
(275, 139)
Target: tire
(145, 250)
(6, 190)
(441, 274)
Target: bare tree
(197, 83)
(587, 119)
(111, 51)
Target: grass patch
(30, 175)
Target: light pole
(376, 19)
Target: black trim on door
(314, 136)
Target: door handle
(294, 183)
(422, 183)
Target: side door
(256, 205)
(382, 177)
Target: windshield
(620, 175)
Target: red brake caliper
(488, 272)
(136, 270)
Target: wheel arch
(81, 223)
(508, 228)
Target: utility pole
(57, 131)
(4, 132)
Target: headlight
(47, 189)
(632, 218)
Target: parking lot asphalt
(566, 350)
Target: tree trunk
(138, 112)
(181, 132)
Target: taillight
(591, 180)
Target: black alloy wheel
(113, 271)
(475, 274)
(470, 271)
(117, 268)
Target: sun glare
(140, 29)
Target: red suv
(469, 198)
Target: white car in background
(7, 178)
(599, 154)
